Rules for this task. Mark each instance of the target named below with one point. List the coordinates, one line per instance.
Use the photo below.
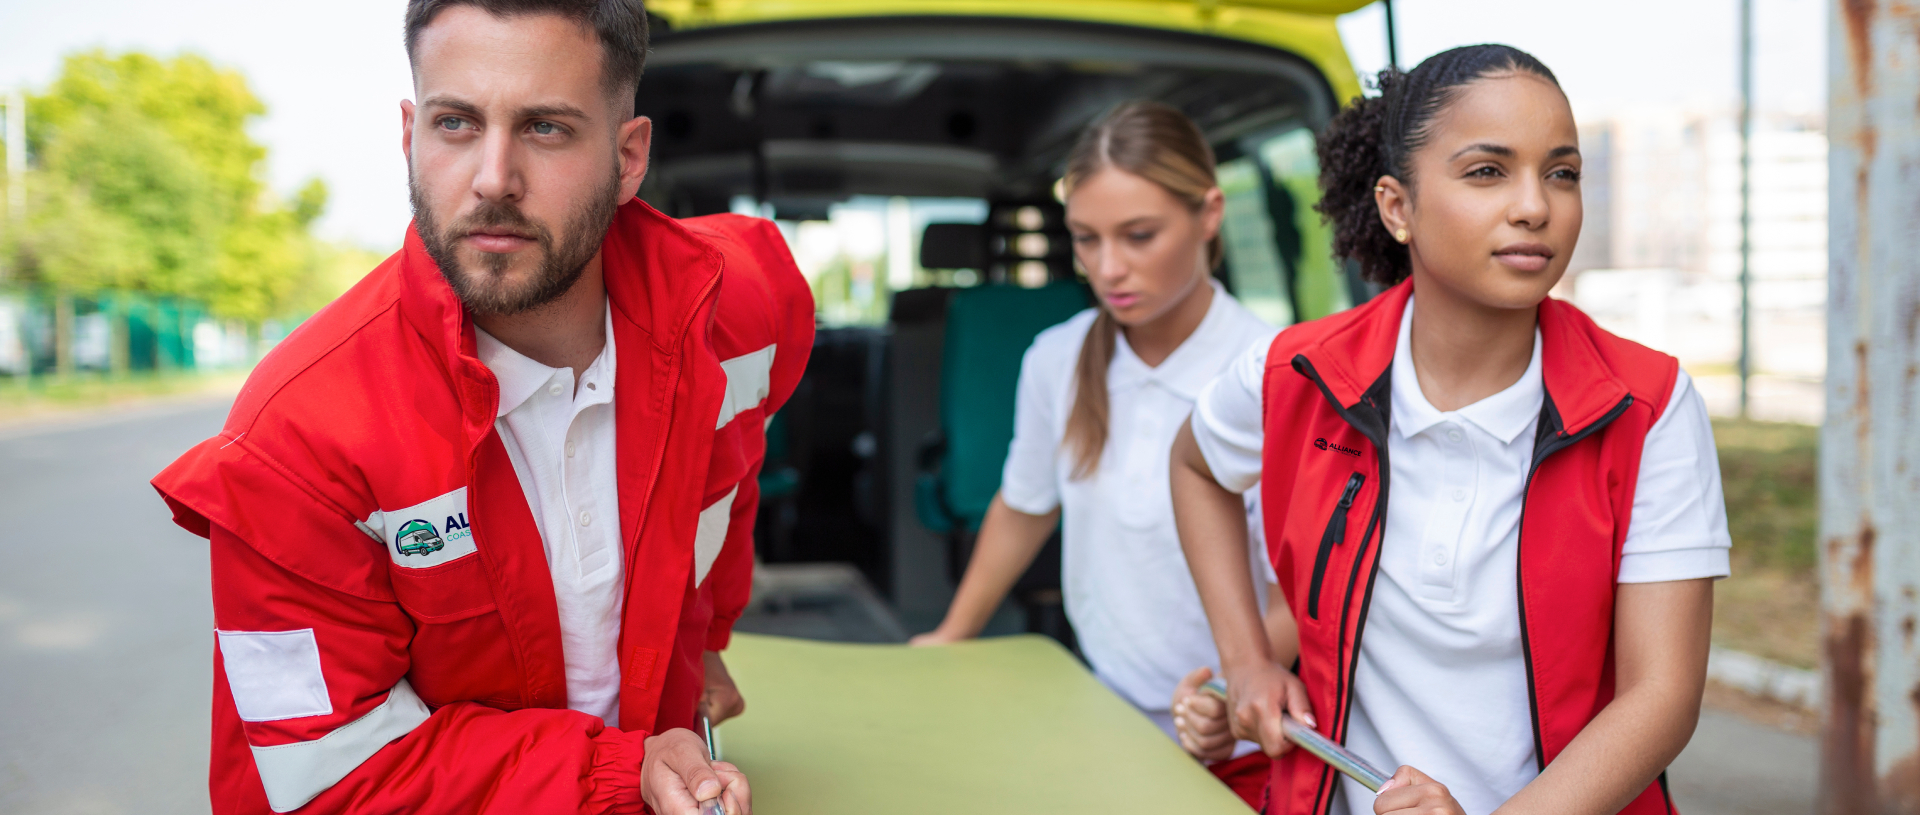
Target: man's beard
(485, 291)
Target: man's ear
(634, 141)
(406, 129)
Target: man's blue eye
(545, 128)
(451, 123)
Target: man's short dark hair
(620, 24)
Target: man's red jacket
(387, 637)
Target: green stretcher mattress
(1006, 726)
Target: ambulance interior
(911, 163)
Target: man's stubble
(562, 259)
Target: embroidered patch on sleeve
(274, 675)
(426, 534)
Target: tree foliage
(146, 180)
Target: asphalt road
(106, 630)
(106, 640)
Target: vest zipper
(1372, 416)
(1550, 437)
(1335, 534)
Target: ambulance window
(1279, 255)
(1320, 285)
(868, 247)
(1255, 270)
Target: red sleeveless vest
(1324, 475)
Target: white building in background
(1659, 260)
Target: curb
(1764, 677)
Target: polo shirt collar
(1504, 415)
(1182, 372)
(521, 377)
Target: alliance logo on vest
(1336, 447)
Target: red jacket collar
(1352, 355)
(657, 273)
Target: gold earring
(1400, 234)
(1379, 188)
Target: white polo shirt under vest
(1128, 591)
(560, 438)
(1441, 683)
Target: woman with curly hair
(1496, 525)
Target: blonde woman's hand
(1257, 695)
(938, 636)
(1200, 719)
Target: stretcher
(1010, 725)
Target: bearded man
(480, 527)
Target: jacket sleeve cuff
(613, 783)
(719, 633)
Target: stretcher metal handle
(711, 806)
(1310, 740)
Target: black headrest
(954, 246)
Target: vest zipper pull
(1335, 535)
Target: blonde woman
(1099, 401)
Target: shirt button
(569, 449)
(585, 518)
(554, 389)
(1458, 495)
(1440, 558)
(1453, 436)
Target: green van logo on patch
(418, 537)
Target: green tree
(147, 181)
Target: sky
(332, 74)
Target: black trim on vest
(1372, 416)
(1549, 436)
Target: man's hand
(1411, 792)
(1201, 719)
(721, 701)
(676, 777)
(1257, 695)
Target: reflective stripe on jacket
(388, 639)
(1328, 388)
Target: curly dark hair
(1377, 136)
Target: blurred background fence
(44, 333)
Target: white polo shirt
(560, 439)
(1127, 588)
(1441, 683)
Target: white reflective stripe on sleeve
(711, 535)
(749, 380)
(375, 526)
(274, 675)
(296, 773)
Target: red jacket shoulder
(764, 299)
(329, 419)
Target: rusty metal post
(1870, 446)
